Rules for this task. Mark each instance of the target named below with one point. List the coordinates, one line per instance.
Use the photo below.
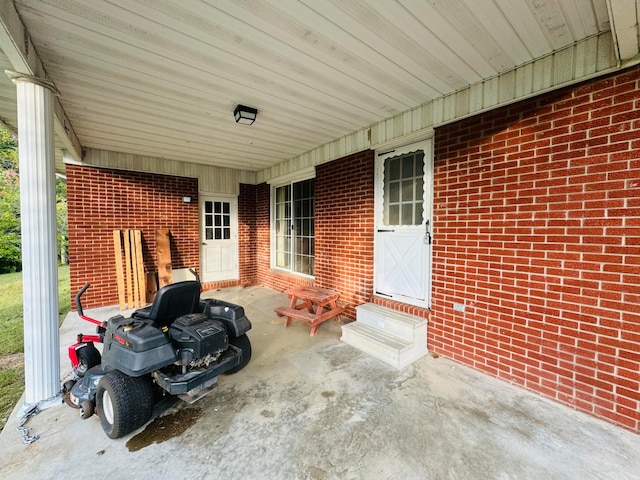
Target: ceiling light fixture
(245, 115)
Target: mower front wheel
(86, 409)
(88, 357)
(124, 403)
(66, 388)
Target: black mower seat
(171, 301)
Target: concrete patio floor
(315, 408)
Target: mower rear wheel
(88, 357)
(124, 403)
(243, 343)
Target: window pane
(419, 189)
(283, 251)
(407, 167)
(283, 194)
(281, 226)
(394, 169)
(294, 205)
(304, 264)
(282, 259)
(208, 207)
(394, 192)
(407, 190)
(407, 214)
(217, 208)
(394, 215)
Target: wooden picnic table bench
(311, 304)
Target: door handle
(427, 233)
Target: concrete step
(393, 337)
(399, 324)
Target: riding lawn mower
(178, 345)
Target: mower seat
(171, 301)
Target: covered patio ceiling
(161, 78)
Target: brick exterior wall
(345, 227)
(344, 230)
(247, 235)
(100, 201)
(537, 233)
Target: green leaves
(10, 241)
(10, 257)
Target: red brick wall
(343, 231)
(100, 201)
(247, 235)
(263, 239)
(345, 227)
(537, 233)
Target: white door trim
(384, 252)
(224, 262)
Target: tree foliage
(61, 214)
(10, 240)
(10, 258)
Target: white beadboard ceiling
(161, 78)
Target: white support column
(39, 252)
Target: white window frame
(300, 176)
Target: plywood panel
(163, 251)
(129, 268)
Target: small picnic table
(313, 305)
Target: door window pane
(217, 220)
(404, 189)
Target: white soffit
(160, 78)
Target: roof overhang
(328, 78)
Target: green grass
(11, 336)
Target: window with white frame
(294, 229)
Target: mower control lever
(79, 307)
(78, 295)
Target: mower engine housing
(199, 334)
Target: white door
(403, 219)
(219, 249)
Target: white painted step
(393, 337)
(399, 324)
